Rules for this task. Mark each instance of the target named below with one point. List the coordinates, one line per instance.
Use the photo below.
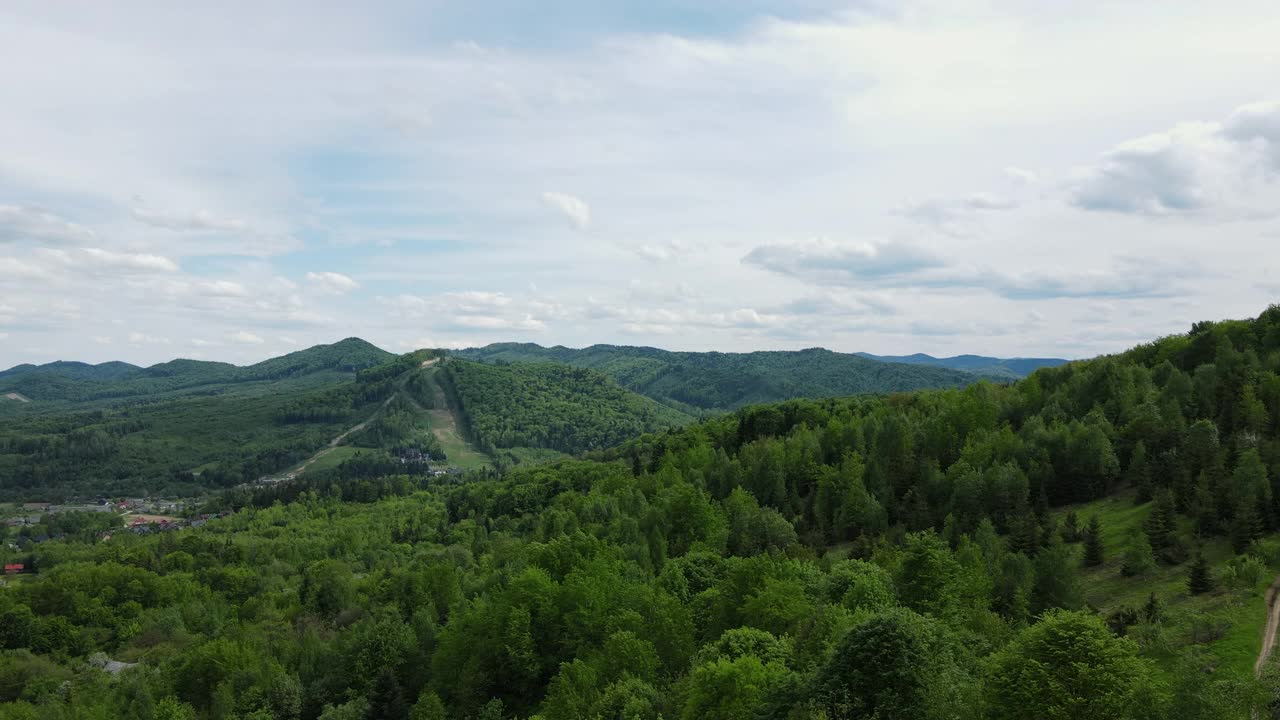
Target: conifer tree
(1070, 527)
(1153, 611)
(1162, 523)
(1139, 558)
(1139, 473)
(1093, 552)
(1245, 527)
(1199, 580)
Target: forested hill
(991, 367)
(1092, 542)
(714, 381)
(76, 382)
(549, 405)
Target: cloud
(26, 223)
(101, 339)
(575, 209)
(198, 221)
(1209, 169)
(332, 283)
(900, 265)
(492, 322)
(842, 262)
(1021, 175)
(98, 259)
(245, 337)
(138, 338)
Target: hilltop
(700, 382)
(77, 382)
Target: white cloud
(492, 322)
(332, 283)
(842, 261)
(1021, 175)
(575, 209)
(198, 221)
(95, 259)
(101, 339)
(139, 338)
(245, 337)
(26, 223)
(1217, 170)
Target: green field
(1239, 613)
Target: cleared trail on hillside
(1273, 623)
(334, 443)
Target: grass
(1242, 611)
(335, 457)
(445, 426)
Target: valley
(982, 546)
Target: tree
(1138, 473)
(879, 670)
(1139, 558)
(1070, 527)
(1153, 610)
(1093, 554)
(1057, 583)
(730, 689)
(1069, 666)
(1161, 524)
(1199, 579)
(1245, 526)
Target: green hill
(54, 385)
(1094, 541)
(549, 405)
(991, 367)
(714, 381)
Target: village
(33, 523)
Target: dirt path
(299, 469)
(1273, 622)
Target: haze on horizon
(237, 181)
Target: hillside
(54, 385)
(549, 405)
(992, 367)
(712, 381)
(194, 442)
(1090, 542)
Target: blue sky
(236, 181)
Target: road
(298, 470)
(1273, 622)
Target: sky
(236, 180)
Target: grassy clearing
(1238, 613)
(335, 456)
(445, 426)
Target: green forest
(1091, 542)
(699, 383)
(549, 405)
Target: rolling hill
(992, 367)
(57, 384)
(700, 382)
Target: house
(36, 506)
(14, 568)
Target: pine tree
(1153, 611)
(1139, 558)
(1245, 527)
(1070, 527)
(1162, 522)
(1199, 580)
(1139, 474)
(1093, 554)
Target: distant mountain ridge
(699, 382)
(993, 367)
(77, 381)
